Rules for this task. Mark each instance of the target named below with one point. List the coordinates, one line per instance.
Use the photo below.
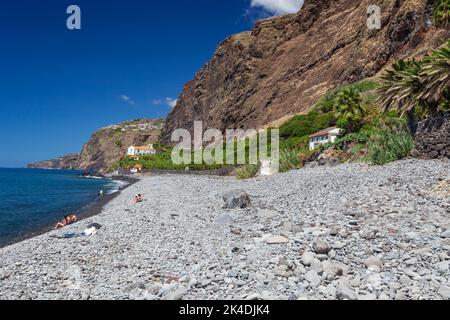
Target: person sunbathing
(139, 198)
(66, 221)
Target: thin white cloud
(157, 102)
(127, 99)
(171, 102)
(278, 7)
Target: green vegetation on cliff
(418, 84)
(441, 14)
(375, 118)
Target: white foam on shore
(93, 177)
(116, 186)
(113, 186)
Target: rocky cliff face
(67, 162)
(285, 64)
(110, 144)
(107, 146)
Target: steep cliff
(67, 162)
(285, 64)
(107, 146)
(110, 144)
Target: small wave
(112, 191)
(94, 177)
(116, 186)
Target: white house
(323, 137)
(139, 151)
(136, 168)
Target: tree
(435, 75)
(349, 109)
(424, 84)
(401, 86)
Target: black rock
(95, 225)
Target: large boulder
(236, 199)
(321, 247)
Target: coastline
(92, 209)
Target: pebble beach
(349, 232)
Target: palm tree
(436, 77)
(349, 109)
(441, 14)
(409, 85)
(402, 86)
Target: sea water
(32, 199)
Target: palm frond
(436, 74)
(401, 86)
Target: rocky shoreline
(345, 232)
(88, 211)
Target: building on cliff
(140, 151)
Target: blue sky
(130, 60)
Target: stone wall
(433, 138)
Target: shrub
(163, 161)
(289, 160)
(327, 103)
(441, 14)
(295, 143)
(364, 86)
(305, 125)
(247, 171)
(389, 144)
(361, 137)
(444, 105)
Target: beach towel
(71, 235)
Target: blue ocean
(31, 199)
